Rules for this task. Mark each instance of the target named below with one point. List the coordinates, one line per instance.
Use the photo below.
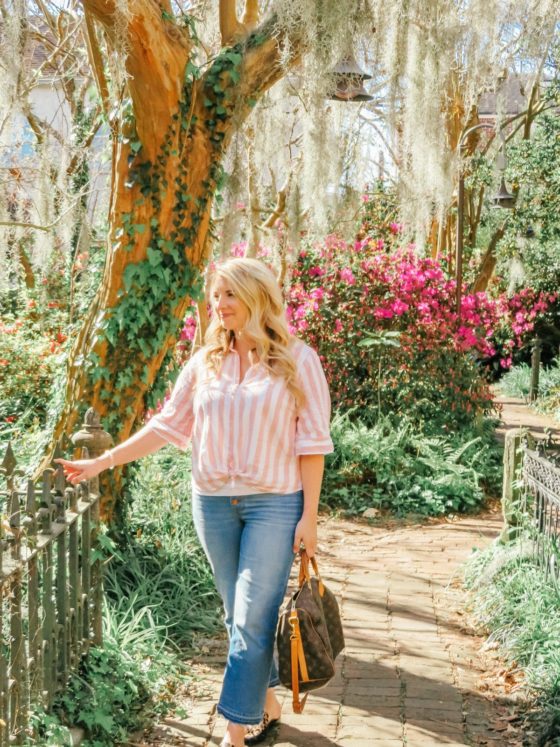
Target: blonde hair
(255, 286)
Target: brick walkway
(410, 674)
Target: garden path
(412, 672)
(516, 413)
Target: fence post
(94, 441)
(512, 493)
(535, 369)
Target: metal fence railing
(50, 583)
(541, 480)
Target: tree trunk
(488, 263)
(166, 170)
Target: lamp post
(503, 199)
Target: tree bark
(166, 170)
(488, 263)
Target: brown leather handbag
(309, 635)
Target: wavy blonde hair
(256, 287)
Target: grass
(513, 601)
(159, 561)
(517, 383)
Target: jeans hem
(237, 718)
(274, 683)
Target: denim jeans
(248, 540)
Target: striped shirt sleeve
(175, 421)
(312, 424)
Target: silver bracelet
(111, 456)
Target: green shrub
(395, 465)
(28, 360)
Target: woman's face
(232, 312)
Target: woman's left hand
(306, 534)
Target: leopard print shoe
(259, 732)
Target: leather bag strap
(298, 663)
(304, 574)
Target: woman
(255, 405)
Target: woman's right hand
(81, 469)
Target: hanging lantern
(348, 78)
(504, 198)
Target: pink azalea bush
(343, 292)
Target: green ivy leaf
(155, 257)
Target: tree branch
(103, 10)
(488, 261)
(280, 206)
(262, 64)
(96, 62)
(87, 141)
(251, 15)
(156, 51)
(37, 226)
(230, 28)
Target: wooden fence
(50, 582)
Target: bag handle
(304, 574)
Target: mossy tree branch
(96, 62)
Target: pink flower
(395, 228)
(347, 276)
(338, 326)
(316, 272)
(398, 307)
(383, 313)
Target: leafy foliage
(119, 686)
(159, 594)
(394, 465)
(31, 348)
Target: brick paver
(409, 674)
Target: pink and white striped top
(246, 435)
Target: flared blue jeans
(249, 543)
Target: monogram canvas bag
(309, 635)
